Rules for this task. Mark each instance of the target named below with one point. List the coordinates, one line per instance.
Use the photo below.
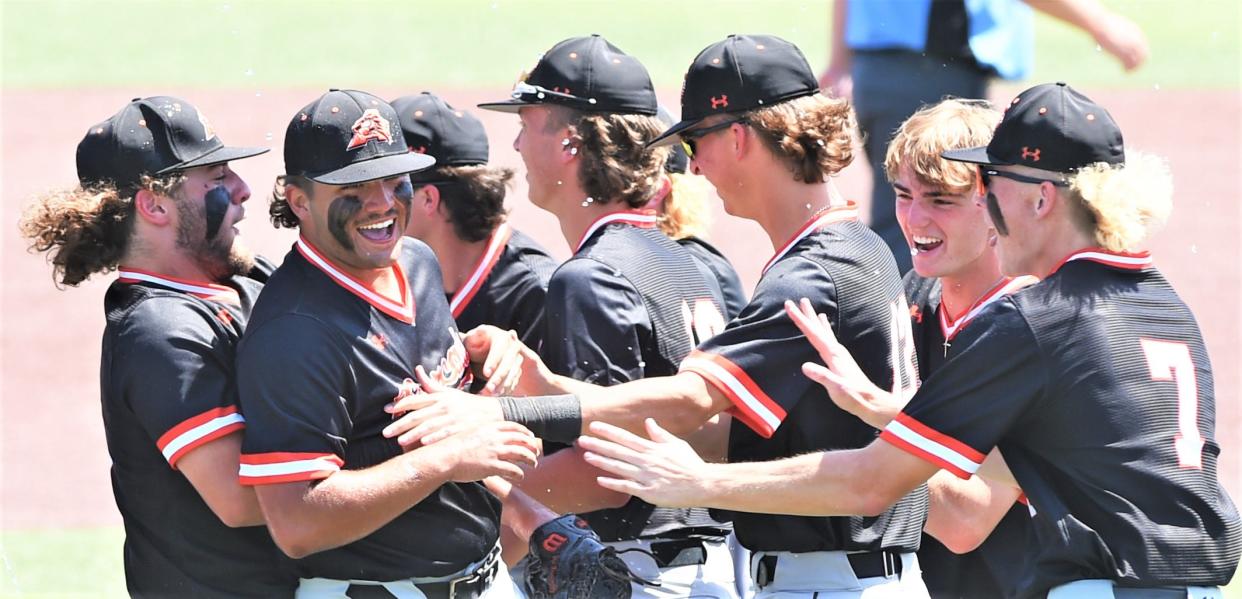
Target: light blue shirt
(1001, 32)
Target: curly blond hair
(685, 211)
(813, 135)
(1126, 202)
(87, 230)
(947, 125)
(614, 162)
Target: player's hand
(1124, 39)
(846, 383)
(497, 356)
(438, 413)
(664, 470)
(508, 365)
(492, 449)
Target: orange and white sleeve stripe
(286, 467)
(751, 405)
(196, 431)
(925, 442)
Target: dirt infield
(53, 460)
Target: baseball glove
(568, 561)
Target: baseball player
(630, 303)
(756, 127)
(493, 273)
(956, 275)
(681, 204)
(341, 329)
(158, 202)
(1094, 383)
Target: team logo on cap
(721, 101)
(1029, 154)
(208, 131)
(370, 127)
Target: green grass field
(277, 43)
(255, 46)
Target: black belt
(468, 586)
(679, 552)
(872, 564)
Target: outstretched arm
(1115, 33)
(665, 470)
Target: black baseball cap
(346, 137)
(151, 136)
(588, 74)
(1050, 127)
(740, 73)
(432, 127)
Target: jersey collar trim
(950, 327)
(482, 270)
(844, 212)
(199, 289)
(402, 310)
(644, 219)
(1122, 260)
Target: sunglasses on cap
(986, 174)
(688, 137)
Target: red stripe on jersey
(950, 327)
(401, 309)
(491, 255)
(199, 289)
(190, 424)
(847, 211)
(1023, 500)
(946, 441)
(1122, 260)
(203, 440)
(302, 467)
(749, 399)
(917, 451)
(643, 219)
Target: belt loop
(890, 563)
(766, 572)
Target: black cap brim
(670, 136)
(510, 106)
(217, 156)
(973, 155)
(377, 168)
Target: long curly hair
(812, 135)
(1127, 202)
(614, 163)
(87, 230)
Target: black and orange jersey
(629, 304)
(324, 354)
(1096, 386)
(167, 386)
(997, 563)
(726, 276)
(507, 288)
(849, 275)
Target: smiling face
(209, 205)
(948, 232)
(358, 227)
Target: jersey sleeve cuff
(283, 467)
(197, 431)
(922, 441)
(753, 406)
